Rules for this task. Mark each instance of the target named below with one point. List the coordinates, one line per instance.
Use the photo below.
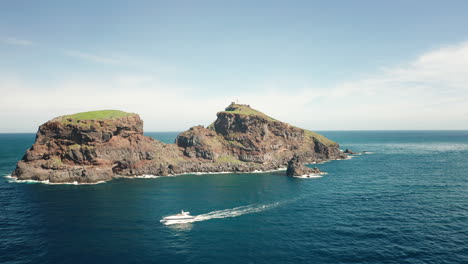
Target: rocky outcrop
(86, 151)
(248, 135)
(350, 152)
(297, 168)
(98, 146)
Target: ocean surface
(404, 202)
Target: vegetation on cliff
(246, 110)
(242, 109)
(95, 115)
(100, 145)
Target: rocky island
(98, 146)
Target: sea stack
(350, 152)
(297, 168)
(97, 146)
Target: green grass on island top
(233, 108)
(246, 110)
(97, 115)
(320, 138)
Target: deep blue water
(406, 202)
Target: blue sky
(317, 64)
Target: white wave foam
(206, 172)
(234, 212)
(412, 148)
(143, 176)
(228, 172)
(151, 176)
(265, 171)
(15, 180)
(325, 161)
(309, 176)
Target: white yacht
(183, 217)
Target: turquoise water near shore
(404, 202)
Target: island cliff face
(98, 146)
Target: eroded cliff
(98, 146)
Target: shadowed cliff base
(97, 146)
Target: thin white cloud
(429, 92)
(115, 59)
(93, 58)
(444, 68)
(15, 41)
(164, 106)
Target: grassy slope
(243, 110)
(247, 110)
(320, 138)
(96, 115)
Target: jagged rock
(297, 168)
(348, 151)
(98, 146)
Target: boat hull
(177, 221)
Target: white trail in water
(233, 212)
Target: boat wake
(233, 212)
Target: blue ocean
(404, 201)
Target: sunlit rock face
(98, 146)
